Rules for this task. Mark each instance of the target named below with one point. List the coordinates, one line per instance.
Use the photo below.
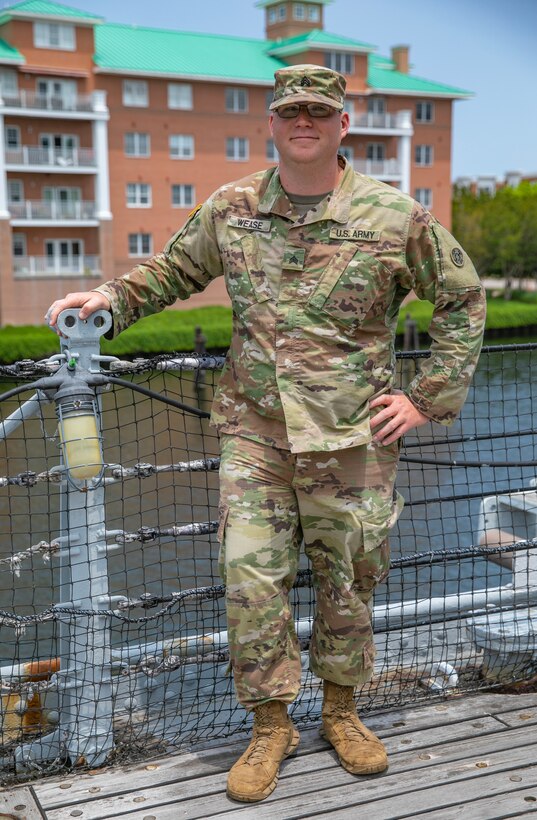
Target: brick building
(110, 134)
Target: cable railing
(113, 638)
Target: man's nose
(303, 117)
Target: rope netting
(120, 652)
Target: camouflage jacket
(305, 362)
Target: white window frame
(139, 140)
(237, 100)
(181, 146)
(186, 195)
(282, 12)
(342, 61)
(238, 146)
(299, 11)
(70, 257)
(377, 150)
(61, 193)
(424, 155)
(9, 82)
(139, 241)
(60, 36)
(16, 133)
(272, 15)
(15, 190)
(138, 195)
(64, 92)
(422, 106)
(180, 96)
(376, 105)
(314, 14)
(424, 196)
(15, 238)
(135, 94)
(271, 152)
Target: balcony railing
(378, 168)
(41, 209)
(46, 267)
(374, 121)
(51, 157)
(49, 102)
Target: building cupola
(288, 18)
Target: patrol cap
(308, 83)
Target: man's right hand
(88, 302)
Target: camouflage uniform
(315, 304)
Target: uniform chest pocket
(246, 281)
(350, 284)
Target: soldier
(317, 260)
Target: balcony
(385, 169)
(53, 267)
(398, 124)
(66, 106)
(35, 158)
(46, 212)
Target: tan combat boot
(255, 774)
(358, 749)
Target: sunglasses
(316, 110)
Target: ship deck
(472, 757)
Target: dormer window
(299, 11)
(314, 14)
(282, 12)
(59, 36)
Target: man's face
(305, 139)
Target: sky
(488, 47)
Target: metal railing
(49, 102)
(53, 210)
(34, 155)
(378, 168)
(25, 267)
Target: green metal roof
(317, 38)
(161, 51)
(9, 54)
(381, 78)
(44, 8)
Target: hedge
(173, 330)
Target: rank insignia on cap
(305, 81)
(457, 257)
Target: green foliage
(500, 314)
(499, 232)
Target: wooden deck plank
(306, 778)
(20, 804)
(58, 791)
(521, 803)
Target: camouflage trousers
(341, 504)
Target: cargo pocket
(376, 528)
(246, 281)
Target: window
(376, 105)
(269, 96)
(299, 12)
(424, 111)
(13, 136)
(347, 152)
(18, 244)
(272, 15)
(424, 154)
(64, 255)
(340, 61)
(15, 190)
(271, 151)
(137, 144)
(181, 146)
(236, 100)
(183, 196)
(64, 146)
(140, 244)
(54, 35)
(348, 106)
(376, 151)
(135, 93)
(67, 194)
(237, 148)
(57, 93)
(424, 196)
(314, 14)
(282, 13)
(138, 195)
(8, 83)
(180, 96)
